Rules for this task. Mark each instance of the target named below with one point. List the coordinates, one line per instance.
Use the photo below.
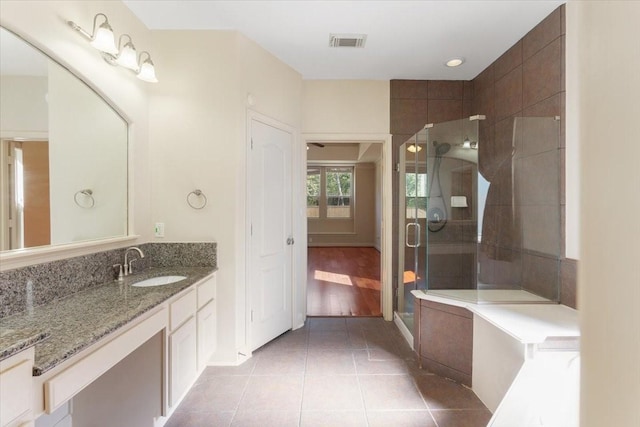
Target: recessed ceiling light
(454, 62)
(413, 148)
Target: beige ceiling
(405, 39)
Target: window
(330, 192)
(313, 193)
(338, 190)
(416, 195)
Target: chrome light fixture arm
(125, 55)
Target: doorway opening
(24, 190)
(343, 282)
(344, 228)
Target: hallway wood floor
(343, 282)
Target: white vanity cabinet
(192, 336)
(183, 367)
(16, 390)
(206, 319)
(175, 338)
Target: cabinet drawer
(206, 292)
(182, 309)
(15, 392)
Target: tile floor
(333, 372)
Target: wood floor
(343, 282)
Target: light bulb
(104, 39)
(455, 62)
(128, 57)
(147, 71)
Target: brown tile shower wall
(528, 80)
(415, 103)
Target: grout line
(415, 384)
(244, 392)
(304, 376)
(364, 405)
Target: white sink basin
(158, 281)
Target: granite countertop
(13, 341)
(67, 326)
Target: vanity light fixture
(454, 62)
(147, 71)
(102, 38)
(125, 55)
(128, 57)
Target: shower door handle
(406, 235)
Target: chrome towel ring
(88, 200)
(200, 195)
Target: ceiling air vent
(347, 40)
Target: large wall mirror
(63, 154)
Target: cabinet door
(206, 333)
(182, 359)
(15, 393)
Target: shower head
(442, 149)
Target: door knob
(290, 241)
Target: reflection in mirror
(63, 170)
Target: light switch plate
(159, 229)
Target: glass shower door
(438, 232)
(413, 223)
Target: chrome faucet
(128, 265)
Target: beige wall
(357, 231)
(195, 123)
(24, 106)
(349, 107)
(198, 116)
(345, 106)
(609, 276)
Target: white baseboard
(403, 330)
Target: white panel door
(271, 243)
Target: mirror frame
(17, 258)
